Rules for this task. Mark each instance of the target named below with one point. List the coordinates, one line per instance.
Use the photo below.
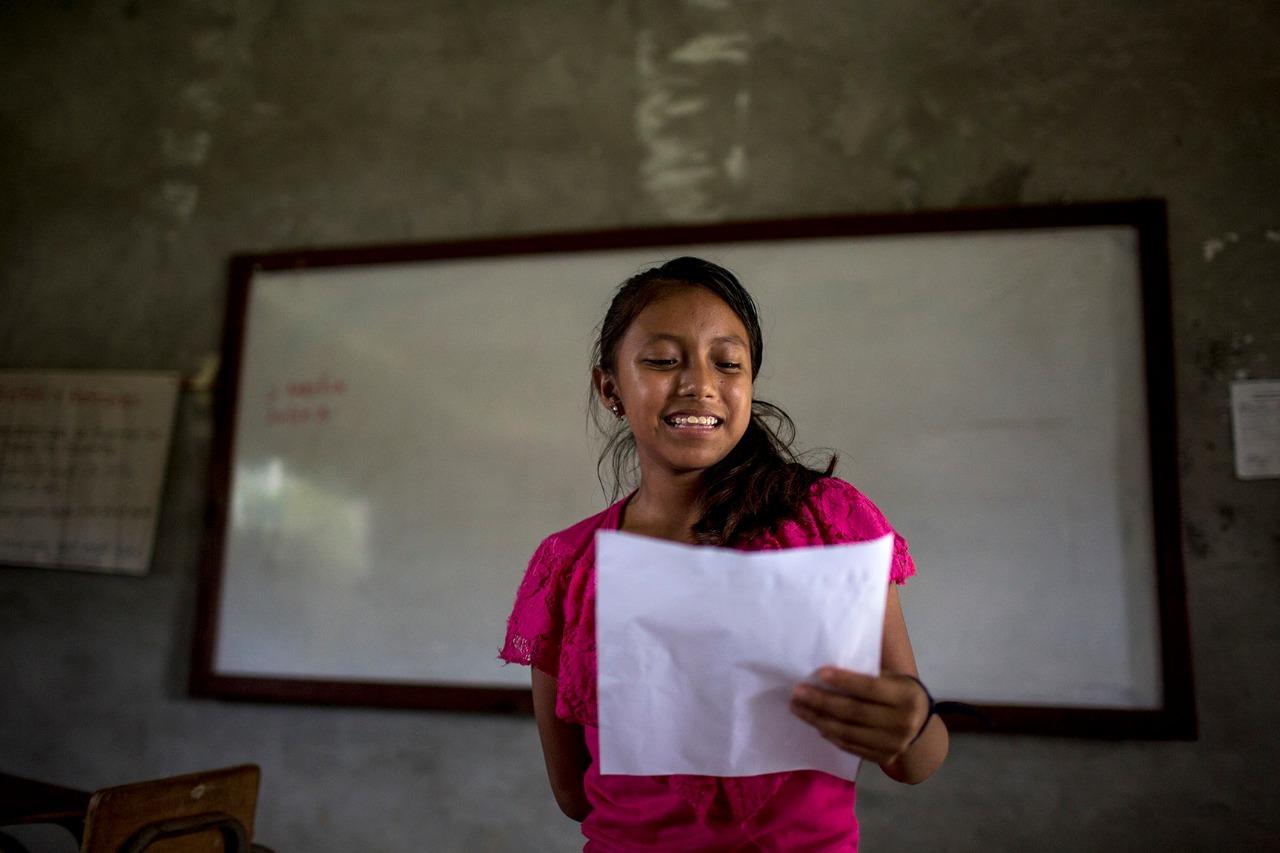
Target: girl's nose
(695, 381)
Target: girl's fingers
(844, 708)
(868, 688)
(866, 728)
(863, 741)
(886, 689)
(833, 729)
(844, 730)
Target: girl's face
(683, 378)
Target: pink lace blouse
(552, 627)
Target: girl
(675, 363)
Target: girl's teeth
(694, 421)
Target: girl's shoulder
(838, 513)
(548, 594)
(567, 545)
(834, 498)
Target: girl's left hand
(873, 717)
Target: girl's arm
(876, 717)
(919, 761)
(563, 748)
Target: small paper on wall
(82, 458)
(1255, 421)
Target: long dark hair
(761, 482)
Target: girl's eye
(731, 365)
(659, 362)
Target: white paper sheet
(700, 648)
(1255, 418)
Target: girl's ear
(607, 388)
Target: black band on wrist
(928, 716)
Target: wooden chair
(207, 812)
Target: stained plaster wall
(142, 143)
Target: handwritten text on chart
(11, 392)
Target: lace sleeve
(537, 620)
(903, 566)
(850, 516)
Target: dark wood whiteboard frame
(1176, 718)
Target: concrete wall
(142, 143)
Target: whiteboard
(406, 431)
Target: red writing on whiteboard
(307, 389)
(297, 415)
(303, 401)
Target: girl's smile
(693, 422)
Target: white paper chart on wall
(82, 460)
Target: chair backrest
(206, 812)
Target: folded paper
(700, 648)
